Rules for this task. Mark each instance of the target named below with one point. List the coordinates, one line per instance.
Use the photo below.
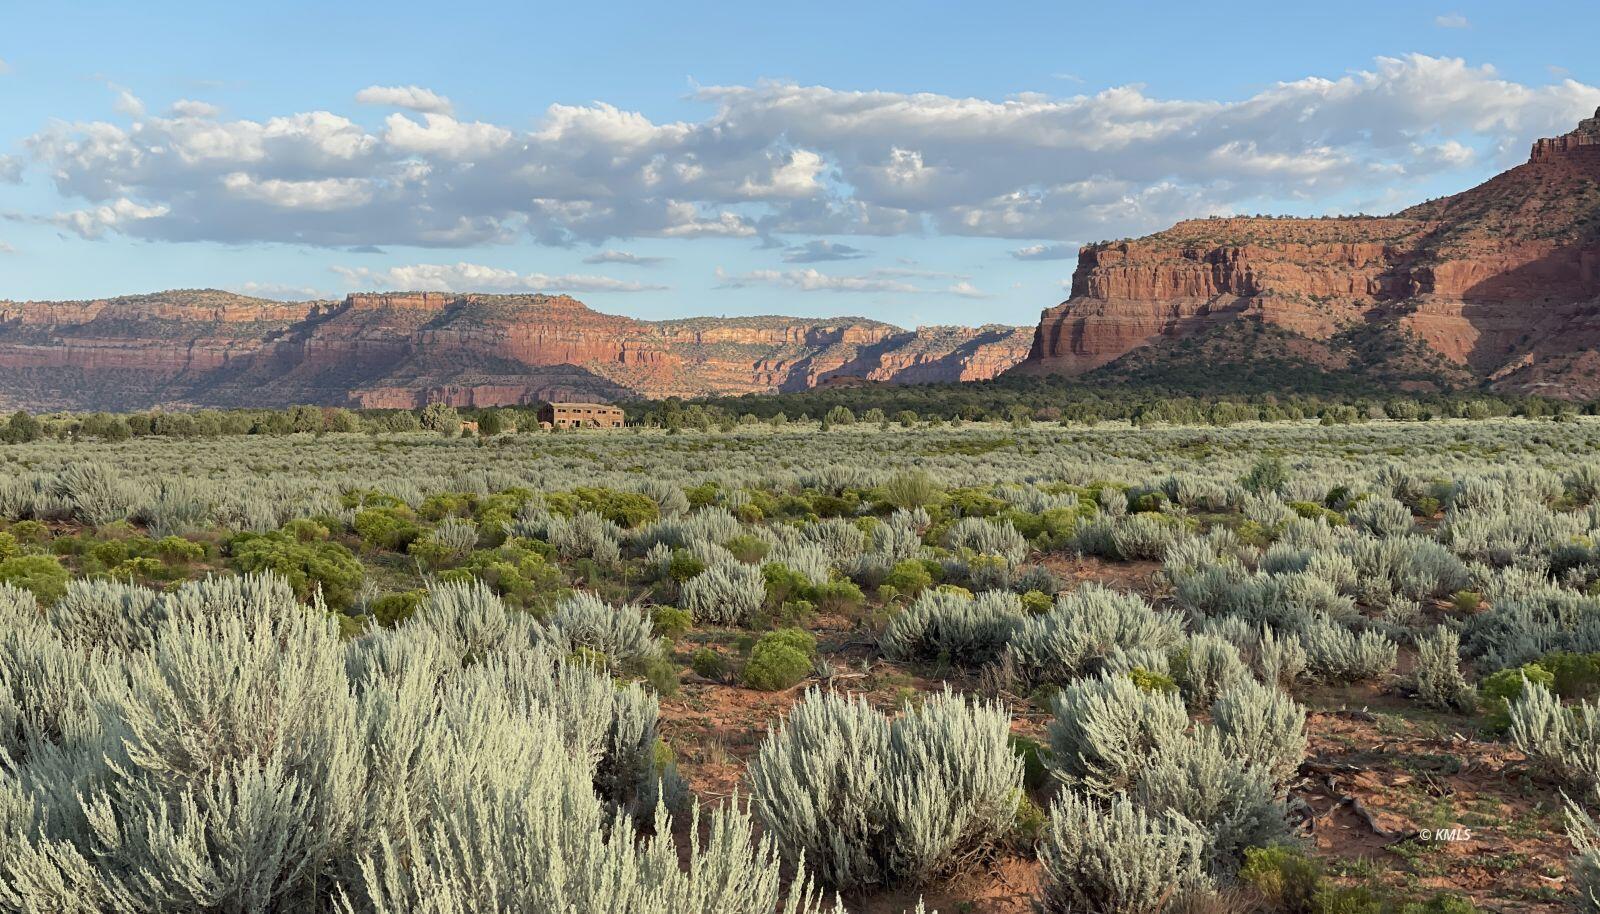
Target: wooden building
(580, 415)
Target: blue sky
(931, 163)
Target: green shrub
(909, 577)
(307, 567)
(780, 659)
(683, 565)
(519, 571)
(671, 622)
(1152, 681)
(387, 528)
(391, 609)
(9, 546)
(710, 664)
(1499, 689)
(178, 549)
(1576, 675)
(41, 574)
(1284, 878)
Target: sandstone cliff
(1502, 281)
(209, 348)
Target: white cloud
(188, 107)
(6, 248)
(5, 68)
(614, 256)
(1451, 21)
(881, 281)
(280, 291)
(1046, 252)
(116, 215)
(414, 98)
(472, 277)
(444, 136)
(127, 103)
(784, 159)
(321, 195)
(821, 250)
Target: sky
(930, 163)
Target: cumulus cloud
(615, 256)
(1451, 21)
(414, 98)
(472, 277)
(881, 281)
(1046, 252)
(188, 107)
(779, 159)
(821, 250)
(279, 291)
(127, 103)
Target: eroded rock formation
(189, 348)
(1502, 280)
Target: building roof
(591, 405)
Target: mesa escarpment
(405, 349)
(1502, 280)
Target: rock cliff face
(209, 348)
(1502, 280)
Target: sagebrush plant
(962, 629)
(1116, 857)
(1084, 629)
(866, 799)
(1439, 681)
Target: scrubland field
(1286, 667)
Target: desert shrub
(986, 537)
(710, 664)
(1584, 834)
(621, 634)
(1144, 536)
(391, 609)
(1282, 876)
(869, 801)
(959, 629)
(1563, 744)
(911, 490)
(1336, 654)
(95, 493)
(670, 621)
(1106, 729)
(724, 594)
(909, 577)
(1382, 517)
(1500, 688)
(1205, 666)
(42, 575)
(518, 571)
(1262, 726)
(1117, 858)
(387, 528)
(1235, 804)
(780, 659)
(1085, 628)
(325, 567)
(1438, 672)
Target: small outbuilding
(580, 415)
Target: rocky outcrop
(404, 349)
(1502, 279)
